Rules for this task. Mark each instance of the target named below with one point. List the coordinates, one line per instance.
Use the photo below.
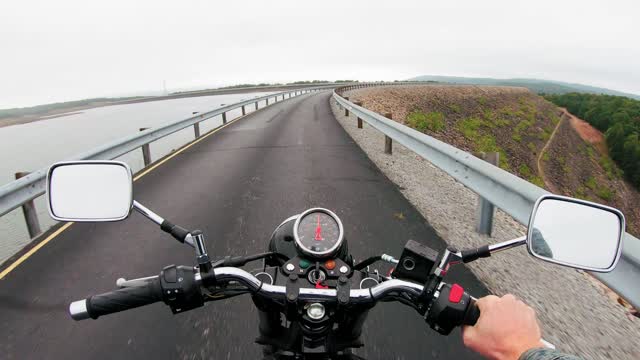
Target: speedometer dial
(318, 232)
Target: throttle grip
(472, 314)
(116, 301)
(452, 307)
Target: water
(36, 145)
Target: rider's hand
(507, 327)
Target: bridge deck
(236, 186)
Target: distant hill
(535, 85)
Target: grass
(536, 180)
(613, 172)
(471, 129)
(524, 170)
(433, 121)
(603, 191)
(545, 157)
(523, 125)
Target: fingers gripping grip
(124, 299)
(472, 314)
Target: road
(236, 186)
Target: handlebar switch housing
(449, 309)
(179, 288)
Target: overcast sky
(58, 50)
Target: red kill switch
(455, 295)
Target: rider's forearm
(546, 354)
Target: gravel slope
(575, 313)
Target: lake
(32, 146)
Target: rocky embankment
(576, 313)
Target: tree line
(618, 117)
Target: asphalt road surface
(237, 186)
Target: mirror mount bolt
(204, 263)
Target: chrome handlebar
(371, 294)
(79, 310)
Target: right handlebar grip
(115, 301)
(472, 314)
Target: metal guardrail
(510, 193)
(29, 187)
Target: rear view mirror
(575, 233)
(89, 191)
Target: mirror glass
(90, 191)
(575, 233)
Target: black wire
(363, 264)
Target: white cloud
(70, 49)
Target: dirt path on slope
(539, 160)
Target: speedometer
(318, 232)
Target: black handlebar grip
(472, 314)
(124, 299)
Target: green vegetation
(433, 121)
(545, 157)
(536, 180)
(524, 170)
(602, 191)
(619, 118)
(470, 128)
(613, 172)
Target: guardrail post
(256, 106)
(29, 212)
(196, 129)
(359, 103)
(243, 111)
(224, 117)
(146, 151)
(485, 210)
(388, 142)
(346, 110)
(268, 100)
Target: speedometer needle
(318, 231)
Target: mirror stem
(485, 251)
(507, 244)
(147, 213)
(177, 232)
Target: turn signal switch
(451, 307)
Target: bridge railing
(22, 191)
(510, 193)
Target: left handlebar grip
(116, 301)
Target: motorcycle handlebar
(116, 301)
(368, 295)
